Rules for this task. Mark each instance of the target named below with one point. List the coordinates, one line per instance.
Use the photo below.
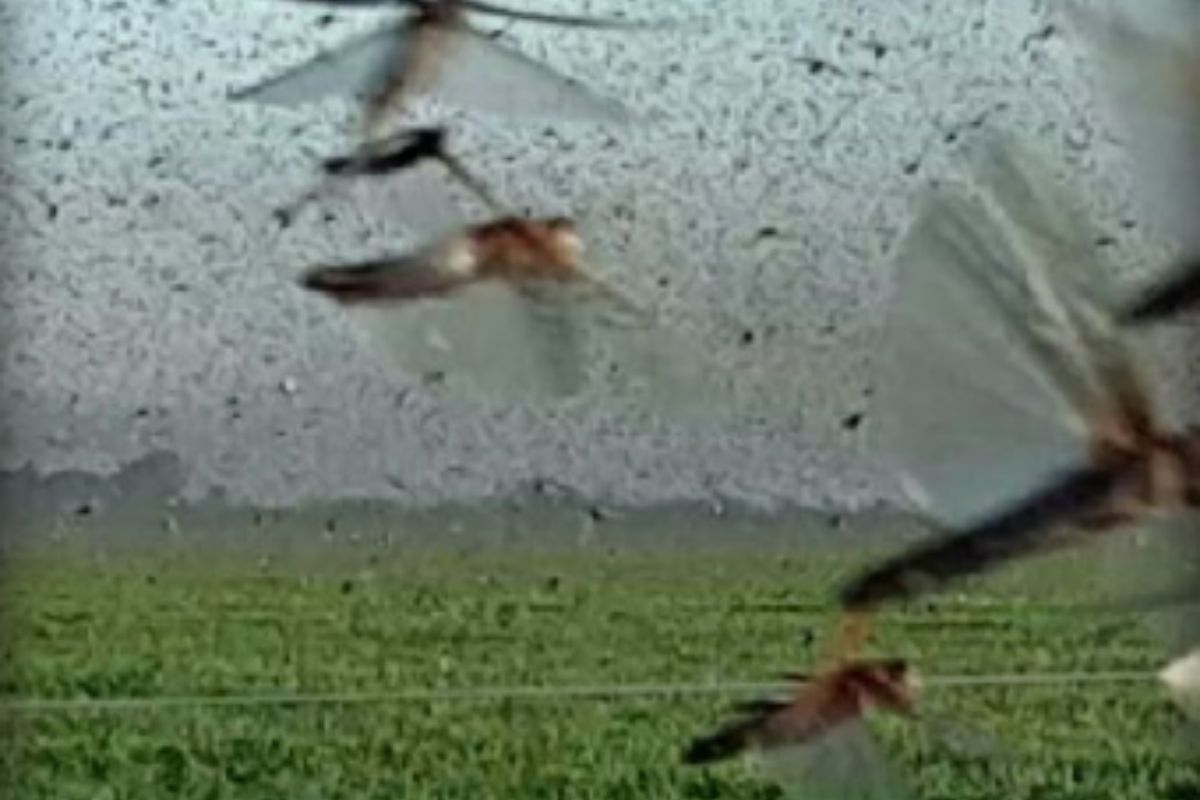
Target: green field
(143, 627)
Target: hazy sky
(149, 296)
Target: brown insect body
(838, 696)
(520, 250)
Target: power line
(42, 705)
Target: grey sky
(148, 290)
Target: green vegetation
(156, 627)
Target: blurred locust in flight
(434, 48)
(1148, 58)
(511, 306)
(529, 255)
(842, 695)
(1014, 405)
(1147, 54)
(816, 741)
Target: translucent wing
(964, 740)
(628, 353)
(1073, 313)
(1173, 563)
(361, 68)
(1053, 228)
(634, 355)
(552, 340)
(480, 73)
(486, 336)
(1000, 346)
(844, 764)
(1149, 65)
(1154, 568)
(969, 415)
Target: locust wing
(1149, 66)
(634, 355)
(489, 336)
(1005, 373)
(470, 70)
(1155, 572)
(546, 339)
(845, 763)
(1001, 353)
(361, 68)
(480, 73)
(519, 341)
(970, 414)
(1005, 369)
(550, 340)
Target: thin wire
(36, 705)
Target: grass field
(144, 627)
